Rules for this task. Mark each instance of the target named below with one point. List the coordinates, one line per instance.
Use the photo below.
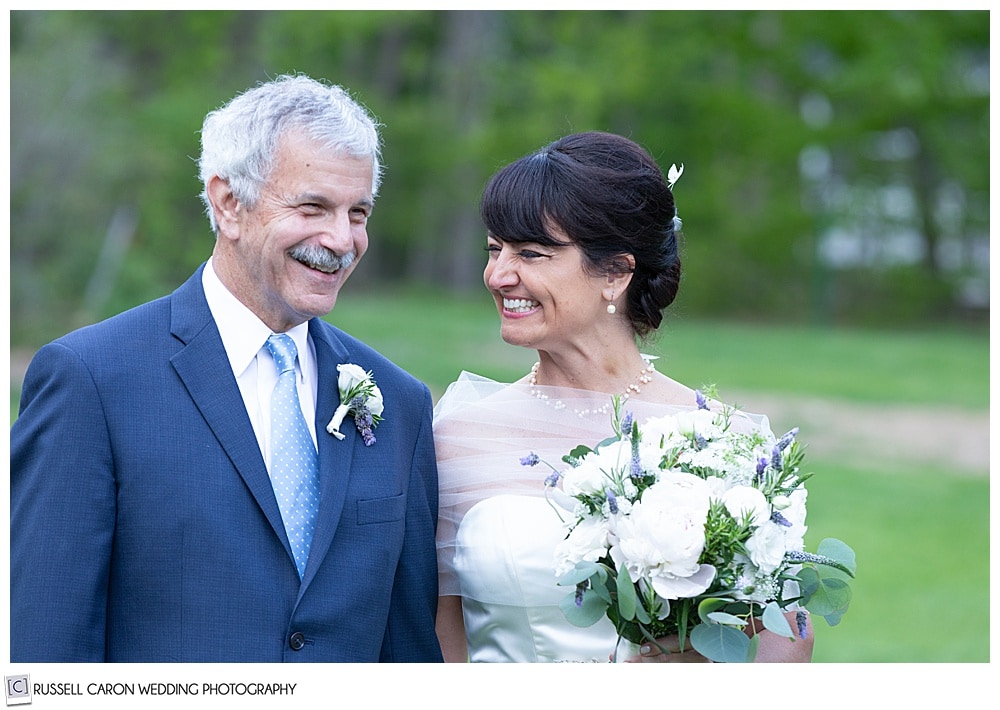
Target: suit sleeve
(62, 513)
(410, 634)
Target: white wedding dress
(506, 547)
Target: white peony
(795, 513)
(664, 536)
(698, 421)
(587, 541)
(743, 501)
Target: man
(162, 506)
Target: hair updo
(610, 198)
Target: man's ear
(225, 206)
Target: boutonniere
(360, 396)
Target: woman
(583, 258)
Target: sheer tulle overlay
(497, 533)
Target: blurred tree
(835, 162)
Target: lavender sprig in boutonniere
(360, 396)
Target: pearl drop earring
(611, 308)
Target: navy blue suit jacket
(143, 523)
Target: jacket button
(296, 641)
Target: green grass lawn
(922, 543)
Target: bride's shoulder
(476, 397)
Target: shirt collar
(243, 333)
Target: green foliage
(105, 113)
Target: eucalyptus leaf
(752, 648)
(832, 595)
(841, 552)
(775, 621)
(627, 601)
(707, 606)
(582, 571)
(588, 613)
(721, 617)
(808, 583)
(834, 618)
(722, 644)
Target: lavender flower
(530, 460)
(700, 442)
(552, 480)
(578, 597)
(635, 465)
(612, 501)
(700, 399)
(800, 622)
(627, 424)
(761, 467)
(363, 419)
(776, 458)
(780, 519)
(785, 440)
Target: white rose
(350, 375)
(664, 536)
(587, 541)
(767, 546)
(742, 501)
(375, 403)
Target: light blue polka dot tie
(294, 462)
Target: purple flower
(530, 460)
(635, 465)
(785, 440)
(627, 424)
(700, 399)
(612, 501)
(800, 622)
(552, 480)
(780, 519)
(578, 597)
(761, 467)
(363, 420)
(776, 458)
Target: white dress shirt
(245, 336)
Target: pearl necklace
(645, 377)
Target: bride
(583, 258)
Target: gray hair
(238, 140)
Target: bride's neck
(609, 374)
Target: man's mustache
(321, 258)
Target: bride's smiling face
(544, 295)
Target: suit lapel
(199, 364)
(335, 455)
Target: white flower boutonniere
(360, 396)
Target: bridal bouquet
(692, 525)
